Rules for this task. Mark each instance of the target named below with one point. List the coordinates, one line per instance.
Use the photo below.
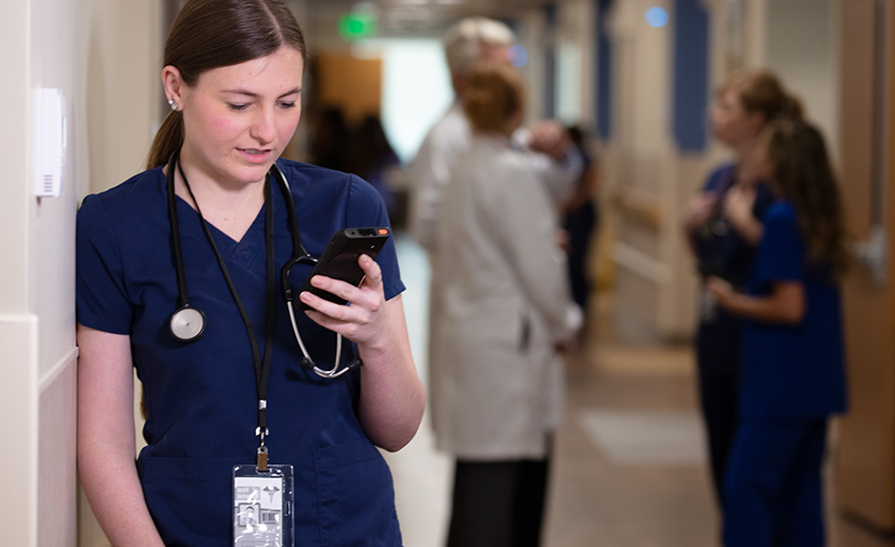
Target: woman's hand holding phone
(365, 320)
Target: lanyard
(262, 364)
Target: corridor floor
(628, 469)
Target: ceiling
(401, 17)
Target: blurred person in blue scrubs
(793, 373)
(723, 227)
(581, 219)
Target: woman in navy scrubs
(233, 76)
(723, 227)
(793, 373)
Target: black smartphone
(339, 259)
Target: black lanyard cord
(290, 211)
(262, 365)
(175, 236)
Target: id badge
(263, 506)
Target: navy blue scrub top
(200, 397)
(792, 371)
(721, 251)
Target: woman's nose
(264, 125)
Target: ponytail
(790, 108)
(168, 140)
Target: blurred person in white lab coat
(505, 312)
(552, 156)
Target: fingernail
(304, 296)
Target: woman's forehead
(280, 69)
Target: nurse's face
(731, 123)
(239, 118)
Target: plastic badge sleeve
(263, 506)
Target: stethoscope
(187, 324)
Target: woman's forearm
(392, 397)
(785, 304)
(110, 481)
(106, 439)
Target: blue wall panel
(691, 76)
(604, 72)
(550, 61)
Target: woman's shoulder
(324, 188)
(780, 210)
(304, 177)
(129, 197)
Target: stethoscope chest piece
(187, 324)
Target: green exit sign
(354, 26)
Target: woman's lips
(254, 155)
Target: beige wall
(122, 63)
(99, 53)
(41, 49)
(806, 57)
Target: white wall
(97, 53)
(41, 49)
(802, 49)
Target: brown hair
(760, 91)
(494, 94)
(802, 172)
(211, 34)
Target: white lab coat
(431, 168)
(500, 286)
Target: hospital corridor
(644, 250)
(630, 460)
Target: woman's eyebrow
(254, 95)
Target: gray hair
(463, 41)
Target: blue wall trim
(604, 72)
(550, 61)
(691, 76)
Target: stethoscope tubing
(179, 322)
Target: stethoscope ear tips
(187, 324)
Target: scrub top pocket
(355, 497)
(190, 498)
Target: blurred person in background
(793, 375)
(580, 220)
(371, 157)
(505, 309)
(555, 161)
(723, 227)
(331, 137)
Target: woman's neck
(746, 169)
(229, 206)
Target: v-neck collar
(241, 252)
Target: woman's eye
(287, 105)
(237, 106)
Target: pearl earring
(172, 104)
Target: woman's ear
(174, 86)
